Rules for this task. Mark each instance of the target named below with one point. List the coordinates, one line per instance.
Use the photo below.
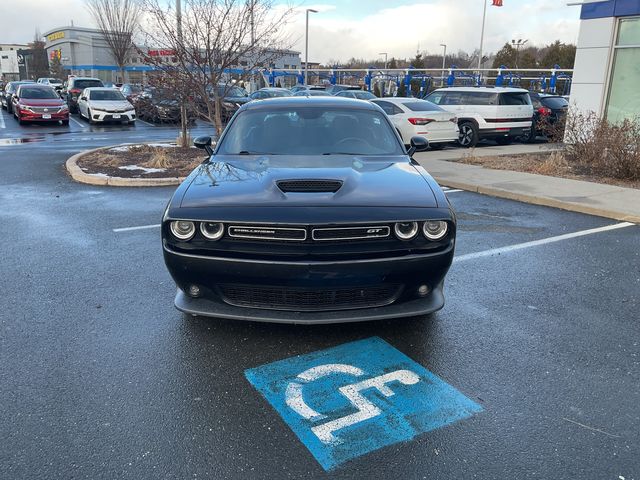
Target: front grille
(45, 109)
(268, 233)
(350, 233)
(308, 299)
(309, 186)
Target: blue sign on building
(355, 398)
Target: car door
(82, 103)
(397, 117)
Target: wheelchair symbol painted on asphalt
(349, 400)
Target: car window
(422, 106)
(555, 102)
(436, 97)
(388, 107)
(310, 131)
(38, 93)
(515, 98)
(363, 95)
(113, 95)
(479, 98)
(452, 98)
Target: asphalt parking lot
(102, 378)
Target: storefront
(607, 68)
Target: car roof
(483, 89)
(400, 99)
(33, 85)
(100, 89)
(85, 78)
(302, 101)
(271, 89)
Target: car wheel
(65, 122)
(468, 134)
(530, 137)
(504, 140)
(90, 117)
(20, 121)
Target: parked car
(309, 211)
(232, 97)
(333, 89)
(312, 93)
(100, 104)
(56, 83)
(33, 102)
(75, 86)
(357, 94)
(414, 117)
(9, 90)
(159, 106)
(131, 91)
(548, 110)
(270, 92)
(497, 113)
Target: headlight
(435, 230)
(182, 229)
(212, 230)
(406, 230)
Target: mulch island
(142, 161)
(553, 164)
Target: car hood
(109, 104)
(240, 100)
(252, 181)
(40, 102)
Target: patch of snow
(123, 148)
(144, 169)
(165, 145)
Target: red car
(39, 103)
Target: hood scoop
(311, 185)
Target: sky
(358, 28)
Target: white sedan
(104, 105)
(415, 117)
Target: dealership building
(84, 52)
(606, 77)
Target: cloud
(401, 30)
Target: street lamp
(518, 43)
(306, 44)
(385, 59)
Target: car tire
(468, 135)
(504, 140)
(89, 117)
(20, 121)
(531, 137)
(65, 122)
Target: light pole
(306, 45)
(519, 43)
(484, 18)
(444, 60)
(385, 59)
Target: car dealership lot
(102, 378)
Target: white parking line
(2, 125)
(453, 191)
(76, 122)
(146, 123)
(130, 229)
(543, 241)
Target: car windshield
(310, 131)
(55, 80)
(422, 106)
(38, 93)
(364, 95)
(227, 91)
(106, 95)
(82, 84)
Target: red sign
(161, 53)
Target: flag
(497, 3)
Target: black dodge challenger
(309, 210)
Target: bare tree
(117, 20)
(217, 42)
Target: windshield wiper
(246, 152)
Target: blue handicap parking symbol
(349, 400)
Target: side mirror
(418, 144)
(204, 143)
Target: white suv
(496, 113)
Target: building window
(624, 96)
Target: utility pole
(385, 59)
(444, 60)
(306, 45)
(484, 17)
(183, 107)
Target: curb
(537, 200)
(91, 179)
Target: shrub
(597, 147)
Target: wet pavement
(100, 377)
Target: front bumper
(39, 117)
(100, 116)
(408, 272)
